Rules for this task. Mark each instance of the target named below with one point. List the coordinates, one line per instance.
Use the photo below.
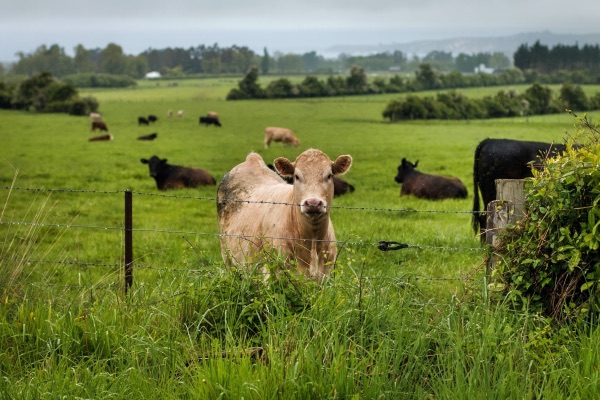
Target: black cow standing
(427, 186)
(210, 121)
(169, 176)
(152, 118)
(142, 121)
(503, 159)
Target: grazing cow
(152, 118)
(150, 136)
(180, 113)
(340, 186)
(142, 121)
(170, 113)
(283, 135)
(258, 211)
(99, 125)
(101, 138)
(209, 121)
(169, 176)
(95, 117)
(426, 186)
(503, 159)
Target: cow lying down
(169, 176)
(428, 186)
(258, 211)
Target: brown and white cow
(283, 135)
(427, 186)
(259, 211)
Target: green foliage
(504, 104)
(43, 93)
(550, 261)
(93, 80)
(240, 304)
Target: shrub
(550, 261)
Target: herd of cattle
(249, 196)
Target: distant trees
(44, 93)
(453, 105)
(540, 58)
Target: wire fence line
(214, 199)
(380, 245)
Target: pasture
(374, 332)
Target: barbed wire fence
(127, 229)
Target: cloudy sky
(278, 25)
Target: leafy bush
(92, 80)
(550, 261)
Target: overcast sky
(278, 25)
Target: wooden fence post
(507, 209)
(128, 240)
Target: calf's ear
(341, 165)
(283, 166)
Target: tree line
(558, 58)
(426, 77)
(535, 100)
(203, 59)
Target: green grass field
(413, 323)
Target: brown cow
(428, 186)
(169, 176)
(257, 211)
(99, 125)
(101, 138)
(283, 135)
(212, 114)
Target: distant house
(153, 75)
(483, 69)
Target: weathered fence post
(128, 240)
(507, 209)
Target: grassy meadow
(412, 323)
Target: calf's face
(405, 168)
(154, 165)
(313, 174)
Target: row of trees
(426, 78)
(179, 62)
(44, 93)
(536, 100)
(558, 58)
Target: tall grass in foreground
(232, 334)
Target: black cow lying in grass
(150, 136)
(428, 186)
(169, 176)
(210, 121)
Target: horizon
(310, 25)
(286, 42)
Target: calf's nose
(313, 205)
